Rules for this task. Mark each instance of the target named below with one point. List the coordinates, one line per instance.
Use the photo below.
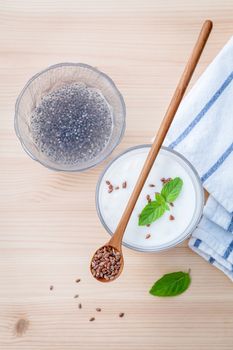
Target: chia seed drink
(72, 124)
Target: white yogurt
(163, 232)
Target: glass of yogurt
(117, 183)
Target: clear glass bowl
(53, 78)
(198, 207)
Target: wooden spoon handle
(168, 118)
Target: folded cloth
(216, 213)
(202, 131)
(214, 244)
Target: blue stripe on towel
(218, 163)
(201, 114)
(230, 227)
(228, 250)
(197, 243)
(211, 260)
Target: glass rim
(71, 64)
(174, 243)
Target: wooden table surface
(48, 223)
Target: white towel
(203, 132)
(214, 244)
(216, 213)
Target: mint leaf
(166, 206)
(155, 209)
(160, 199)
(171, 284)
(152, 211)
(171, 190)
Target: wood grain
(48, 223)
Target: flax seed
(165, 181)
(124, 184)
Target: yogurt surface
(163, 232)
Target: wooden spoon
(115, 242)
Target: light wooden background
(48, 223)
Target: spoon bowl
(102, 268)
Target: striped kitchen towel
(203, 132)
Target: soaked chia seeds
(72, 124)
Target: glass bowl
(53, 78)
(191, 181)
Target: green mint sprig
(171, 284)
(155, 209)
(172, 189)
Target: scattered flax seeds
(171, 204)
(148, 198)
(148, 236)
(51, 287)
(164, 180)
(148, 225)
(151, 185)
(98, 309)
(171, 217)
(124, 184)
(110, 186)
